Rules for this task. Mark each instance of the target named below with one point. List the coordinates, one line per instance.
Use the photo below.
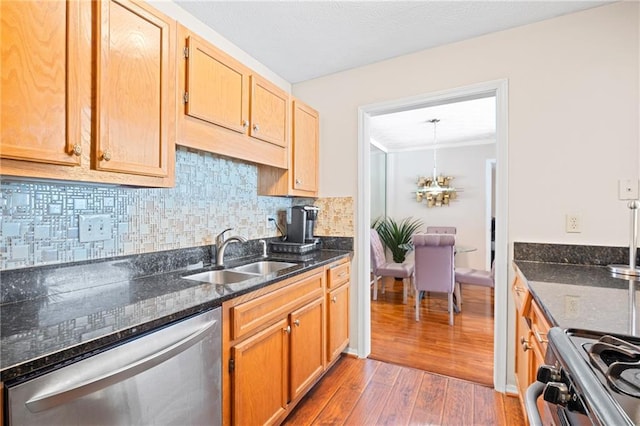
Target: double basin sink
(240, 273)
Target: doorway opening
(497, 89)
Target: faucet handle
(220, 237)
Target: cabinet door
(135, 90)
(523, 354)
(305, 140)
(259, 379)
(217, 87)
(269, 112)
(337, 321)
(39, 111)
(307, 346)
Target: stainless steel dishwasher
(170, 376)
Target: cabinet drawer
(539, 329)
(252, 315)
(521, 295)
(338, 275)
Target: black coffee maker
(300, 224)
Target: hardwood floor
(464, 351)
(397, 385)
(370, 392)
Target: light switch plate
(628, 189)
(95, 227)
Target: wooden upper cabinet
(216, 87)
(305, 147)
(269, 112)
(301, 178)
(135, 89)
(39, 111)
(221, 101)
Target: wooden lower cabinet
(337, 321)
(307, 346)
(278, 341)
(259, 377)
(531, 342)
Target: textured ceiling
(302, 40)
(462, 123)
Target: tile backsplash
(39, 222)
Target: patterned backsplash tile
(335, 217)
(39, 222)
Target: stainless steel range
(589, 378)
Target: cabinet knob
(77, 150)
(298, 181)
(288, 329)
(245, 124)
(334, 299)
(106, 155)
(256, 128)
(524, 343)
(297, 323)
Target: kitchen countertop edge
(34, 366)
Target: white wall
(573, 113)
(378, 183)
(573, 116)
(467, 213)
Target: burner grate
(619, 362)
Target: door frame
(498, 88)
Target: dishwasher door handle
(49, 399)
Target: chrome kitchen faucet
(221, 245)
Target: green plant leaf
(396, 236)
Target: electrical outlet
(572, 306)
(271, 221)
(573, 223)
(94, 227)
(628, 189)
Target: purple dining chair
(441, 230)
(381, 268)
(434, 267)
(475, 277)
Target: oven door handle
(530, 403)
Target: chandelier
(435, 189)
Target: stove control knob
(556, 393)
(548, 373)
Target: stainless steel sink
(221, 277)
(264, 267)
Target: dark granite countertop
(77, 309)
(582, 296)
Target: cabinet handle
(77, 150)
(256, 128)
(539, 336)
(106, 155)
(334, 299)
(288, 329)
(525, 344)
(245, 124)
(298, 181)
(297, 323)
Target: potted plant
(396, 236)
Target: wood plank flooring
(370, 392)
(399, 386)
(464, 351)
